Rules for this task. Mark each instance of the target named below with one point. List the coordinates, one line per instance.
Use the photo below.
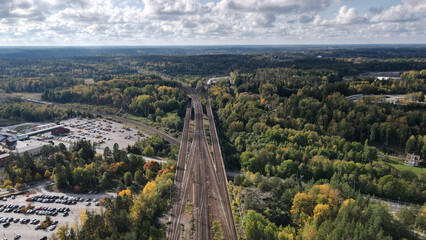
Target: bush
(407, 216)
(264, 186)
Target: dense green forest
(310, 155)
(159, 100)
(15, 110)
(37, 70)
(298, 126)
(80, 168)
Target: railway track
(182, 157)
(201, 198)
(183, 150)
(221, 173)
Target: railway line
(201, 198)
(221, 173)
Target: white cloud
(260, 19)
(345, 15)
(416, 6)
(191, 22)
(172, 8)
(394, 14)
(277, 6)
(409, 10)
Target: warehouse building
(33, 147)
(60, 131)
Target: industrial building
(11, 142)
(33, 147)
(60, 131)
(4, 156)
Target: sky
(210, 22)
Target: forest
(313, 160)
(304, 145)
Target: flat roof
(23, 146)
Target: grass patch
(418, 171)
(25, 95)
(7, 122)
(156, 125)
(399, 165)
(188, 208)
(20, 128)
(89, 81)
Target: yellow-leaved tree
(149, 188)
(322, 212)
(83, 217)
(317, 204)
(125, 192)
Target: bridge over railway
(201, 198)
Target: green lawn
(20, 128)
(415, 170)
(148, 122)
(7, 122)
(25, 95)
(398, 164)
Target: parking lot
(59, 206)
(104, 132)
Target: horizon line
(227, 45)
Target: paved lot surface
(28, 231)
(104, 132)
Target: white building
(412, 160)
(33, 147)
(213, 80)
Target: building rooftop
(23, 146)
(413, 156)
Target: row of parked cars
(62, 199)
(57, 199)
(18, 236)
(6, 221)
(48, 211)
(9, 208)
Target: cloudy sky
(206, 22)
